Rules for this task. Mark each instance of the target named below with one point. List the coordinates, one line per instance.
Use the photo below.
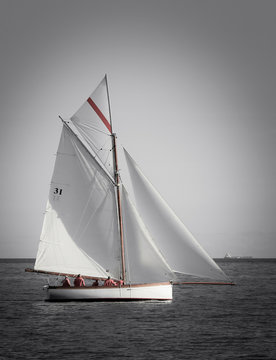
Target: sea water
(202, 322)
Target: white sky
(192, 85)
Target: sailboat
(92, 227)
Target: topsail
(93, 123)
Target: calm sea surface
(202, 322)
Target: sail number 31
(57, 191)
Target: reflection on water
(202, 322)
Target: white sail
(177, 244)
(58, 253)
(92, 121)
(145, 263)
(91, 227)
(80, 231)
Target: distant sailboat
(229, 256)
(91, 226)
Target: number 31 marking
(58, 191)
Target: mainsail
(80, 230)
(181, 250)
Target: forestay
(177, 244)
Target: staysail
(80, 231)
(182, 252)
(145, 263)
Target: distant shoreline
(26, 260)
(243, 259)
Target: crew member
(109, 282)
(66, 282)
(96, 283)
(79, 281)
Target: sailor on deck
(79, 281)
(96, 283)
(66, 282)
(119, 283)
(109, 282)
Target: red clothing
(109, 282)
(66, 283)
(119, 283)
(79, 281)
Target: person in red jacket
(66, 282)
(109, 282)
(79, 281)
(119, 283)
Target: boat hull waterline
(160, 291)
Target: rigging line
(87, 139)
(89, 127)
(103, 160)
(108, 99)
(98, 172)
(85, 147)
(95, 148)
(97, 175)
(102, 148)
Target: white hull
(160, 291)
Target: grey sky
(192, 85)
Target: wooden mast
(117, 181)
